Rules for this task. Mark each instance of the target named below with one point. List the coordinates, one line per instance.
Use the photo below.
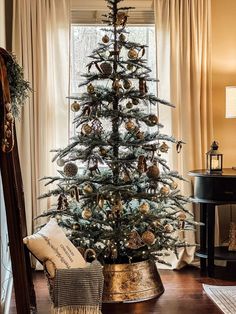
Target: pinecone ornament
(86, 213)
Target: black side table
(211, 190)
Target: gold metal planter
(131, 282)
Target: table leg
(203, 238)
(211, 238)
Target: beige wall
(2, 24)
(224, 74)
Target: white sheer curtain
(41, 44)
(183, 29)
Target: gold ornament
(75, 106)
(140, 135)
(103, 151)
(87, 189)
(168, 228)
(70, 169)
(122, 37)
(86, 129)
(132, 53)
(90, 89)
(121, 18)
(75, 227)
(86, 213)
(105, 39)
(135, 101)
(164, 147)
(153, 172)
(127, 84)
(181, 216)
(165, 190)
(116, 85)
(173, 185)
(134, 240)
(101, 202)
(129, 125)
(152, 120)
(148, 237)
(129, 105)
(60, 162)
(106, 68)
(144, 208)
(130, 66)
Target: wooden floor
(183, 295)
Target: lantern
(214, 159)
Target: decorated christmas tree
(125, 203)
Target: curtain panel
(41, 44)
(183, 32)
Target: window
(85, 38)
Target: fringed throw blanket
(77, 290)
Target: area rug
(223, 296)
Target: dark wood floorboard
(183, 295)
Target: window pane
(84, 39)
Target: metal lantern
(214, 159)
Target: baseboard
(5, 304)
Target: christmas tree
(126, 204)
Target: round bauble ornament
(173, 185)
(70, 169)
(152, 120)
(140, 135)
(105, 39)
(168, 228)
(102, 151)
(60, 162)
(122, 37)
(132, 54)
(127, 84)
(130, 66)
(135, 101)
(129, 125)
(106, 68)
(90, 89)
(181, 216)
(144, 208)
(116, 85)
(75, 227)
(87, 189)
(148, 237)
(164, 147)
(129, 105)
(153, 172)
(165, 190)
(75, 106)
(86, 213)
(86, 129)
